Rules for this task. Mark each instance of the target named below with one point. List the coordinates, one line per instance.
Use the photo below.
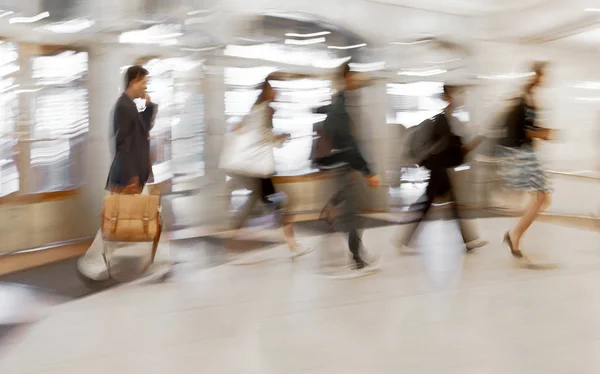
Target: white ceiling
(467, 7)
(590, 38)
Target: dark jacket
(438, 163)
(337, 134)
(519, 120)
(131, 135)
(450, 155)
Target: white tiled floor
(436, 312)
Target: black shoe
(359, 264)
(514, 251)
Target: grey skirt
(521, 170)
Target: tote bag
(248, 151)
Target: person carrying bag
(130, 220)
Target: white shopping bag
(248, 151)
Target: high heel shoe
(515, 252)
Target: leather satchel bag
(132, 218)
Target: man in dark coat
(337, 147)
(131, 167)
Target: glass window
(59, 121)
(412, 103)
(9, 106)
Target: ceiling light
(443, 62)
(506, 76)
(313, 35)
(33, 19)
(201, 11)
(305, 42)
(160, 34)
(330, 64)
(592, 10)
(411, 43)
(69, 27)
(4, 14)
(588, 85)
(204, 49)
(348, 46)
(366, 67)
(424, 73)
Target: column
(105, 84)
(371, 131)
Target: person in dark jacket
(450, 155)
(344, 151)
(131, 167)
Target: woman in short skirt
(520, 168)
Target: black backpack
(421, 142)
(427, 149)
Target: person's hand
(146, 97)
(374, 181)
(133, 187)
(552, 134)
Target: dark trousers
(267, 189)
(439, 185)
(347, 221)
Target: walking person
(131, 167)
(259, 124)
(448, 152)
(520, 169)
(343, 150)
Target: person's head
(351, 80)
(267, 92)
(538, 78)
(136, 80)
(449, 94)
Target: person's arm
(124, 128)
(540, 133)
(473, 144)
(323, 109)
(149, 114)
(339, 132)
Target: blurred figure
(338, 148)
(521, 169)
(131, 167)
(262, 187)
(448, 151)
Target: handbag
(132, 218)
(248, 151)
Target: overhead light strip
(313, 35)
(426, 73)
(348, 46)
(304, 42)
(7, 13)
(33, 19)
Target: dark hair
(449, 90)
(538, 68)
(344, 70)
(263, 88)
(134, 72)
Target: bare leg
(539, 201)
(290, 238)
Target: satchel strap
(146, 218)
(114, 215)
